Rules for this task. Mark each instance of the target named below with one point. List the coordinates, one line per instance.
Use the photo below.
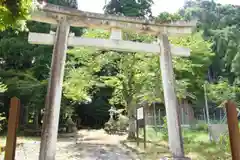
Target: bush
(113, 126)
(164, 128)
(202, 127)
(110, 126)
(2, 122)
(225, 143)
(122, 122)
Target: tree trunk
(132, 124)
(36, 119)
(26, 116)
(21, 119)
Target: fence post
(154, 116)
(160, 121)
(13, 120)
(182, 116)
(233, 129)
(204, 115)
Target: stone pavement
(88, 145)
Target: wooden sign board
(140, 117)
(140, 113)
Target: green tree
(135, 77)
(124, 72)
(25, 67)
(3, 87)
(166, 17)
(14, 13)
(223, 91)
(68, 3)
(131, 8)
(191, 72)
(220, 24)
(82, 83)
(127, 84)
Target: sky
(159, 6)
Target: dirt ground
(85, 145)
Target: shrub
(110, 126)
(2, 119)
(202, 127)
(120, 124)
(164, 128)
(225, 143)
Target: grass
(196, 146)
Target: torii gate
(66, 17)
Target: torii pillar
(170, 99)
(53, 98)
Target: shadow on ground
(91, 151)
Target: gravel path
(90, 145)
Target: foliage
(2, 118)
(25, 67)
(130, 79)
(3, 87)
(165, 128)
(80, 80)
(68, 3)
(131, 8)
(222, 91)
(220, 24)
(14, 13)
(224, 142)
(202, 127)
(190, 72)
(134, 76)
(118, 124)
(166, 17)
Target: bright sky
(159, 6)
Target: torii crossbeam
(113, 44)
(66, 17)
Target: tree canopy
(14, 13)
(131, 8)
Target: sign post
(141, 124)
(13, 121)
(233, 128)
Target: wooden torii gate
(66, 17)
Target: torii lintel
(48, 13)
